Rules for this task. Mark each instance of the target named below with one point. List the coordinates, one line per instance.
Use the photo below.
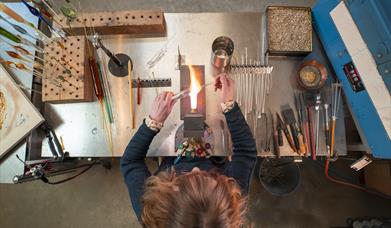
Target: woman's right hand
(227, 88)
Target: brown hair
(194, 200)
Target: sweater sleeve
(133, 167)
(244, 149)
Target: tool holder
(138, 23)
(77, 86)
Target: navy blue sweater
(244, 157)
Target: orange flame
(195, 87)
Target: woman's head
(196, 199)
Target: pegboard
(138, 23)
(67, 67)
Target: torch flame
(195, 88)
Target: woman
(190, 194)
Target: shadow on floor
(99, 198)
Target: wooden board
(18, 116)
(141, 23)
(77, 86)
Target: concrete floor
(99, 197)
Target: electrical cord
(356, 186)
(72, 177)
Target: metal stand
(118, 63)
(120, 70)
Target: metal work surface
(80, 124)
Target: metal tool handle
(333, 124)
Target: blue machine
(356, 35)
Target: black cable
(72, 177)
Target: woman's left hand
(162, 106)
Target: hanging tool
(131, 95)
(286, 132)
(275, 139)
(317, 122)
(289, 118)
(279, 132)
(335, 103)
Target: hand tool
(317, 122)
(275, 139)
(289, 118)
(335, 103)
(286, 132)
(299, 126)
(327, 128)
(279, 132)
(305, 122)
(311, 138)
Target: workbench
(80, 124)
